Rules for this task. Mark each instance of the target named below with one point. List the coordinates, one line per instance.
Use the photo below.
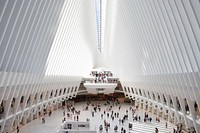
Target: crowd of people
(102, 76)
(69, 111)
(111, 114)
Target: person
(101, 116)
(49, 113)
(174, 130)
(106, 129)
(136, 117)
(120, 121)
(108, 125)
(158, 120)
(92, 114)
(43, 120)
(122, 129)
(130, 126)
(113, 118)
(150, 119)
(77, 117)
(156, 130)
(100, 128)
(17, 129)
(115, 128)
(166, 124)
(117, 114)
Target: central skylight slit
(98, 4)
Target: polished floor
(54, 122)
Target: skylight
(98, 4)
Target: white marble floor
(53, 122)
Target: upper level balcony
(100, 81)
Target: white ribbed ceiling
(76, 46)
(75, 42)
(152, 37)
(139, 38)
